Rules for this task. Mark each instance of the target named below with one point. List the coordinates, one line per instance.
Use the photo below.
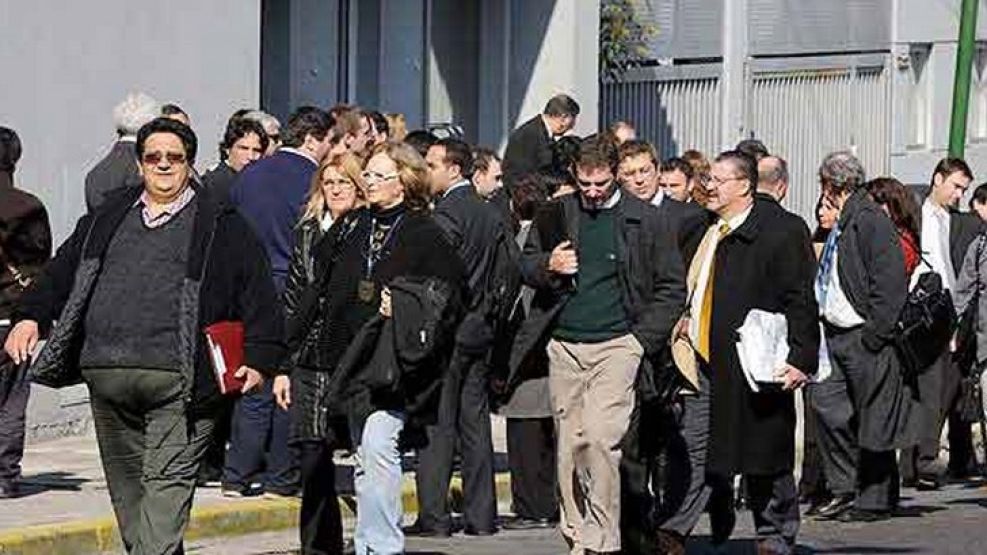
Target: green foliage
(623, 39)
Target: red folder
(225, 342)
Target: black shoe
(417, 530)
(835, 507)
(928, 483)
(9, 490)
(522, 523)
(815, 504)
(721, 526)
(471, 531)
(863, 515)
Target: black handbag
(969, 403)
(965, 355)
(925, 324)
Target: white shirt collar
(454, 186)
(127, 139)
(735, 222)
(299, 152)
(658, 198)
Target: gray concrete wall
(66, 64)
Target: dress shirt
(696, 302)
(935, 243)
(168, 211)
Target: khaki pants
(592, 390)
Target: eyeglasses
(714, 181)
(154, 158)
(374, 177)
(344, 185)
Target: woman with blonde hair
(337, 191)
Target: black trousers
(14, 392)
(259, 444)
(937, 388)
(812, 484)
(211, 469)
(320, 521)
(464, 418)
(531, 458)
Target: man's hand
(21, 341)
(681, 329)
(563, 260)
(253, 378)
(385, 302)
(282, 391)
(792, 376)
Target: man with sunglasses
(750, 258)
(609, 287)
(132, 290)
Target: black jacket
(529, 150)
(25, 241)
(118, 169)
(872, 268)
(228, 278)
(220, 180)
(767, 263)
(650, 270)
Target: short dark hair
(597, 152)
(173, 110)
(238, 128)
(979, 195)
(753, 148)
(10, 150)
(678, 164)
(420, 140)
(305, 121)
(482, 158)
(948, 166)
(527, 193)
(457, 154)
(744, 164)
(168, 125)
(638, 147)
(564, 152)
(561, 105)
(380, 122)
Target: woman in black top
(394, 237)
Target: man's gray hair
(135, 111)
(842, 171)
(270, 123)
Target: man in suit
(946, 234)
(747, 245)
(682, 495)
(118, 168)
(609, 286)
(677, 179)
(243, 142)
(864, 411)
(270, 193)
(472, 226)
(529, 148)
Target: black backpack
(499, 287)
(925, 324)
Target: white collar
(735, 222)
(658, 198)
(299, 152)
(454, 186)
(935, 209)
(611, 202)
(127, 139)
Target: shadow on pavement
(48, 481)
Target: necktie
(826, 265)
(706, 311)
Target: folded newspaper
(763, 349)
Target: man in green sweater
(609, 287)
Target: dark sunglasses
(155, 158)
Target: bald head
(772, 177)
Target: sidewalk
(65, 507)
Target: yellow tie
(706, 311)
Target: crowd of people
(395, 288)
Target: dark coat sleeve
(884, 265)
(793, 272)
(257, 301)
(534, 260)
(660, 314)
(46, 296)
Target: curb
(234, 518)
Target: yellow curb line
(234, 518)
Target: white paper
(763, 347)
(218, 363)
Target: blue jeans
(378, 486)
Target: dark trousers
(464, 416)
(937, 389)
(259, 440)
(837, 401)
(531, 458)
(211, 469)
(150, 448)
(663, 469)
(15, 392)
(320, 521)
(812, 484)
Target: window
(919, 96)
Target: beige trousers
(592, 391)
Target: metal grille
(674, 115)
(804, 115)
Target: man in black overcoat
(529, 148)
(751, 257)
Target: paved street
(952, 521)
